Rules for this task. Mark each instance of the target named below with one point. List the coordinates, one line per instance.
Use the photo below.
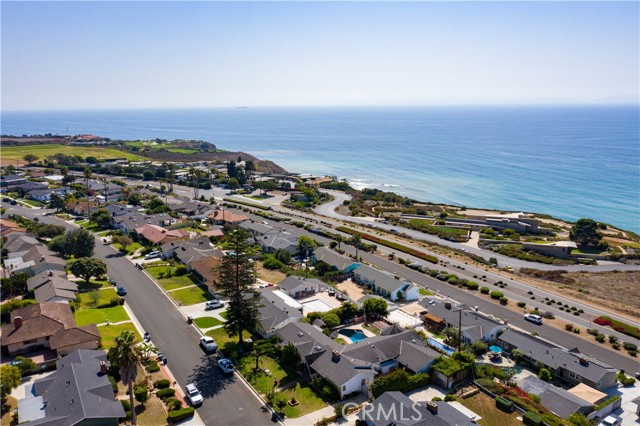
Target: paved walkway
(328, 411)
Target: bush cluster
(161, 384)
(619, 326)
(398, 380)
(165, 393)
(181, 414)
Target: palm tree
(128, 358)
(356, 241)
(194, 174)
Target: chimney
(50, 273)
(17, 322)
(335, 356)
(103, 367)
(447, 305)
(432, 407)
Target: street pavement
(228, 400)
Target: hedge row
(247, 203)
(391, 244)
(531, 419)
(504, 405)
(165, 393)
(181, 414)
(619, 326)
(606, 402)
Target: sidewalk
(329, 411)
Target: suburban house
(395, 408)
(206, 269)
(559, 401)
(116, 209)
(77, 393)
(273, 242)
(193, 209)
(159, 235)
(338, 262)
(50, 325)
(34, 260)
(256, 229)
(273, 313)
(297, 287)
(195, 250)
(352, 368)
(129, 222)
(55, 289)
(7, 227)
(440, 314)
(45, 195)
(19, 242)
(81, 208)
(567, 364)
(214, 231)
(24, 188)
(107, 190)
(225, 217)
(560, 249)
(384, 284)
(8, 180)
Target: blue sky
(96, 55)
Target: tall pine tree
(237, 276)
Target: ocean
(565, 161)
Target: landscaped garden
(485, 406)
(96, 298)
(177, 281)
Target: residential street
(228, 400)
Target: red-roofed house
(159, 235)
(224, 217)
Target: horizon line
(437, 105)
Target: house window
(344, 388)
(26, 342)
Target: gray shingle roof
(308, 339)
(381, 348)
(378, 278)
(332, 258)
(559, 401)
(407, 413)
(256, 228)
(474, 323)
(292, 281)
(274, 311)
(415, 356)
(337, 369)
(77, 391)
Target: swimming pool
(444, 348)
(496, 349)
(354, 335)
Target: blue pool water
(354, 335)
(444, 348)
(496, 349)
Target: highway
(228, 400)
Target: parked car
(112, 281)
(6, 200)
(225, 365)
(213, 304)
(122, 291)
(536, 319)
(153, 255)
(193, 394)
(208, 343)
(13, 202)
(611, 420)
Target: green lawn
(261, 381)
(89, 226)
(98, 316)
(33, 203)
(191, 295)
(485, 406)
(155, 271)
(177, 282)
(131, 248)
(226, 343)
(93, 285)
(309, 400)
(18, 152)
(207, 322)
(425, 292)
(105, 297)
(340, 341)
(372, 329)
(223, 314)
(108, 332)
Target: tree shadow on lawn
(208, 377)
(112, 255)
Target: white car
(611, 421)
(193, 394)
(208, 343)
(536, 319)
(213, 304)
(225, 365)
(153, 255)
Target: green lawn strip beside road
(93, 285)
(207, 322)
(222, 338)
(177, 282)
(108, 332)
(131, 248)
(99, 316)
(425, 292)
(309, 400)
(105, 297)
(44, 150)
(247, 203)
(33, 203)
(223, 314)
(191, 295)
(155, 271)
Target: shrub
(181, 270)
(625, 380)
(141, 394)
(436, 398)
(165, 393)
(181, 414)
(633, 353)
(593, 332)
(531, 419)
(568, 327)
(125, 404)
(606, 402)
(616, 346)
(504, 405)
(504, 300)
(472, 285)
(397, 380)
(161, 384)
(173, 404)
(629, 346)
(484, 290)
(450, 397)
(613, 339)
(496, 294)
(153, 367)
(114, 384)
(618, 326)
(521, 304)
(544, 375)
(600, 338)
